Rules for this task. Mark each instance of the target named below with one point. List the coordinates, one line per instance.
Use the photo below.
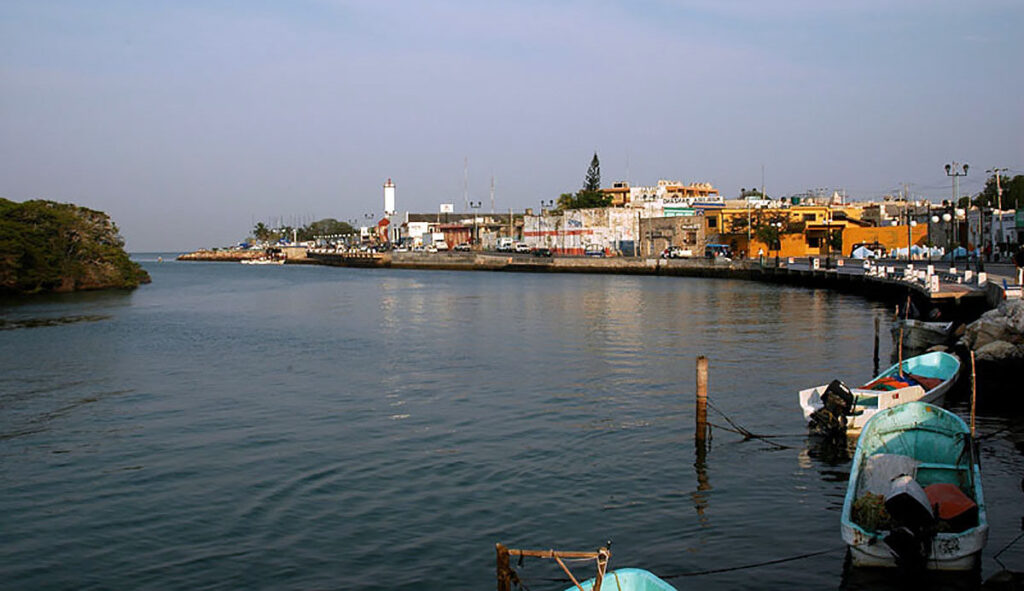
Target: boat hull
(919, 335)
(627, 579)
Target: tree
(1013, 192)
(324, 227)
(593, 180)
(590, 195)
(261, 232)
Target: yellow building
(801, 230)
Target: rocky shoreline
(223, 256)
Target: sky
(189, 121)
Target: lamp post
(956, 170)
(778, 240)
(828, 235)
(475, 205)
(369, 218)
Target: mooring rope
(747, 434)
(754, 565)
(717, 570)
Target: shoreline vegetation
(50, 247)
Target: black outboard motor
(914, 519)
(836, 404)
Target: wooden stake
(875, 357)
(504, 572)
(899, 354)
(702, 397)
(974, 392)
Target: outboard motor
(836, 404)
(911, 537)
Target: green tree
(592, 182)
(261, 232)
(590, 196)
(48, 246)
(1013, 192)
(324, 227)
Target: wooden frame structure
(506, 575)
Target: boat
(263, 261)
(914, 496)
(626, 579)
(919, 335)
(835, 407)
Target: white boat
(925, 377)
(262, 261)
(914, 495)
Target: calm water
(233, 426)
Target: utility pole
(956, 170)
(999, 208)
(465, 182)
(906, 203)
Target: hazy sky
(187, 121)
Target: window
(810, 217)
(712, 222)
(813, 242)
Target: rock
(1000, 351)
(1005, 323)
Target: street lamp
(777, 225)
(475, 205)
(956, 170)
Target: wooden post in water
(899, 352)
(875, 358)
(702, 397)
(504, 572)
(974, 392)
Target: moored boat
(263, 261)
(914, 496)
(919, 335)
(834, 407)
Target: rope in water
(715, 570)
(747, 434)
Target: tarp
(863, 252)
(958, 252)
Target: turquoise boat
(915, 449)
(627, 579)
(926, 378)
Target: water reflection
(701, 495)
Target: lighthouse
(389, 198)
(389, 209)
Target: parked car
(440, 245)
(522, 247)
(462, 247)
(593, 250)
(506, 244)
(542, 252)
(676, 252)
(718, 251)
